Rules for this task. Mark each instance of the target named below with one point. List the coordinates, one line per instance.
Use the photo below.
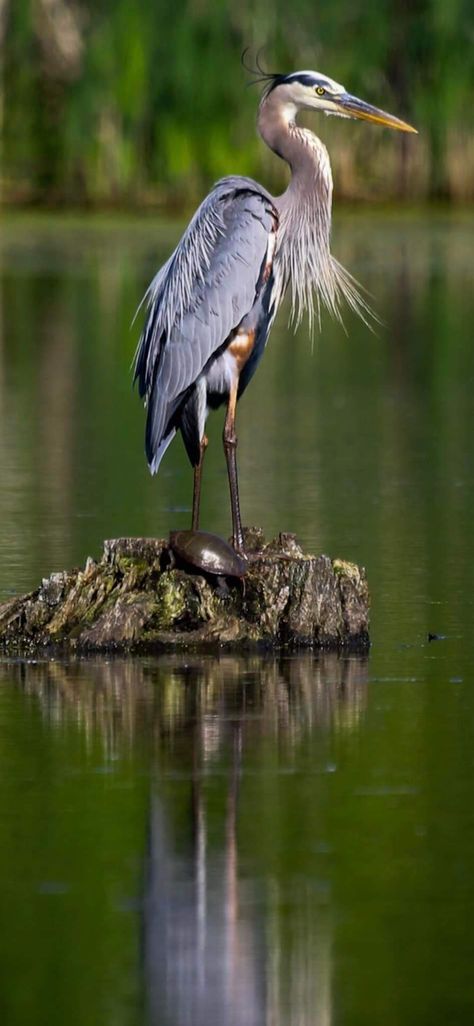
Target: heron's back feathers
(199, 297)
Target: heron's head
(309, 90)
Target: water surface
(252, 840)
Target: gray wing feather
(200, 295)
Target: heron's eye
(320, 90)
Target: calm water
(244, 841)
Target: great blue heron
(211, 306)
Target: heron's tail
(155, 454)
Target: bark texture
(133, 600)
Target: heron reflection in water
(212, 305)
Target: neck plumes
(303, 257)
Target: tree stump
(132, 600)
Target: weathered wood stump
(132, 600)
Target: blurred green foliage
(137, 103)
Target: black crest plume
(269, 78)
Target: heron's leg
(230, 446)
(197, 484)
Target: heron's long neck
(303, 253)
(306, 155)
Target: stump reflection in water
(216, 947)
(158, 699)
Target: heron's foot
(238, 544)
(252, 542)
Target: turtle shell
(207, 552)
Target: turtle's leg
(230, 446)
(197, 483)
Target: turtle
(207, 554)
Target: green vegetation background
(144, 102)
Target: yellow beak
(354, 108)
